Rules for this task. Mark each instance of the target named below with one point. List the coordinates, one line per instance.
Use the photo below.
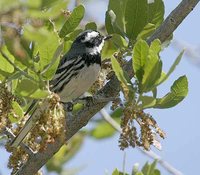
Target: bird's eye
(82, 37)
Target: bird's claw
(89, 100)
(68, 106)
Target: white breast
(81, 83)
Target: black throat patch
(91, 59)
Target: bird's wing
(64, 70)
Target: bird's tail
(30, 123)
(37, 109)
(23, 132)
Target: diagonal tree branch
(173, 20)
(111, 89)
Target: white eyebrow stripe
(90, 35)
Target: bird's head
(90, 41)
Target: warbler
(76, 72)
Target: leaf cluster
(147, 169)
(134, 23)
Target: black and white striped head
(90, 41)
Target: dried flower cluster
(6, 99)
(149, 129)
(104, 75)
(49, 126)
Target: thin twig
(17, 68)
(151, 154)
(124, 163)
(109, 119)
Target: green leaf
(5, 65)
(155, 46)
(73, 21)
(72, 36)
(118, 7)
(31, 89)
(159, 81)
(123, 173)
(119, 41)
(33, 4)
(139, 173)
(140, 54)
(46, 43)
(152, 73)
(145, 168)
(122, 77)
(156, 172)
(154, 91)
(91, 25)
(136, 17)
(117, 113)
(17, 113)
(152, 68)
(172, 68)
(155, 18)
(28, 48)
(67, 46)
(2, 137)
(147, 102)
(26, 87)
(179, 91)
(108, 50)
(152, 167)
(113, 45)
(48, 50)
(52, 11)
(135, 169)
(115, 22)
(108, 23)
(33, 34)
(39, 94)
(103, 130)
(3, 75)
(156, 12)
(149, 169)
(6, 5)
(147, 31)
(50, 3)
(115, 172)
(50, 70)
(112, 25)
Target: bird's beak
(107, 37)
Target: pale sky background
(181, 123)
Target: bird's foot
(89, 100)
(68, 106)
